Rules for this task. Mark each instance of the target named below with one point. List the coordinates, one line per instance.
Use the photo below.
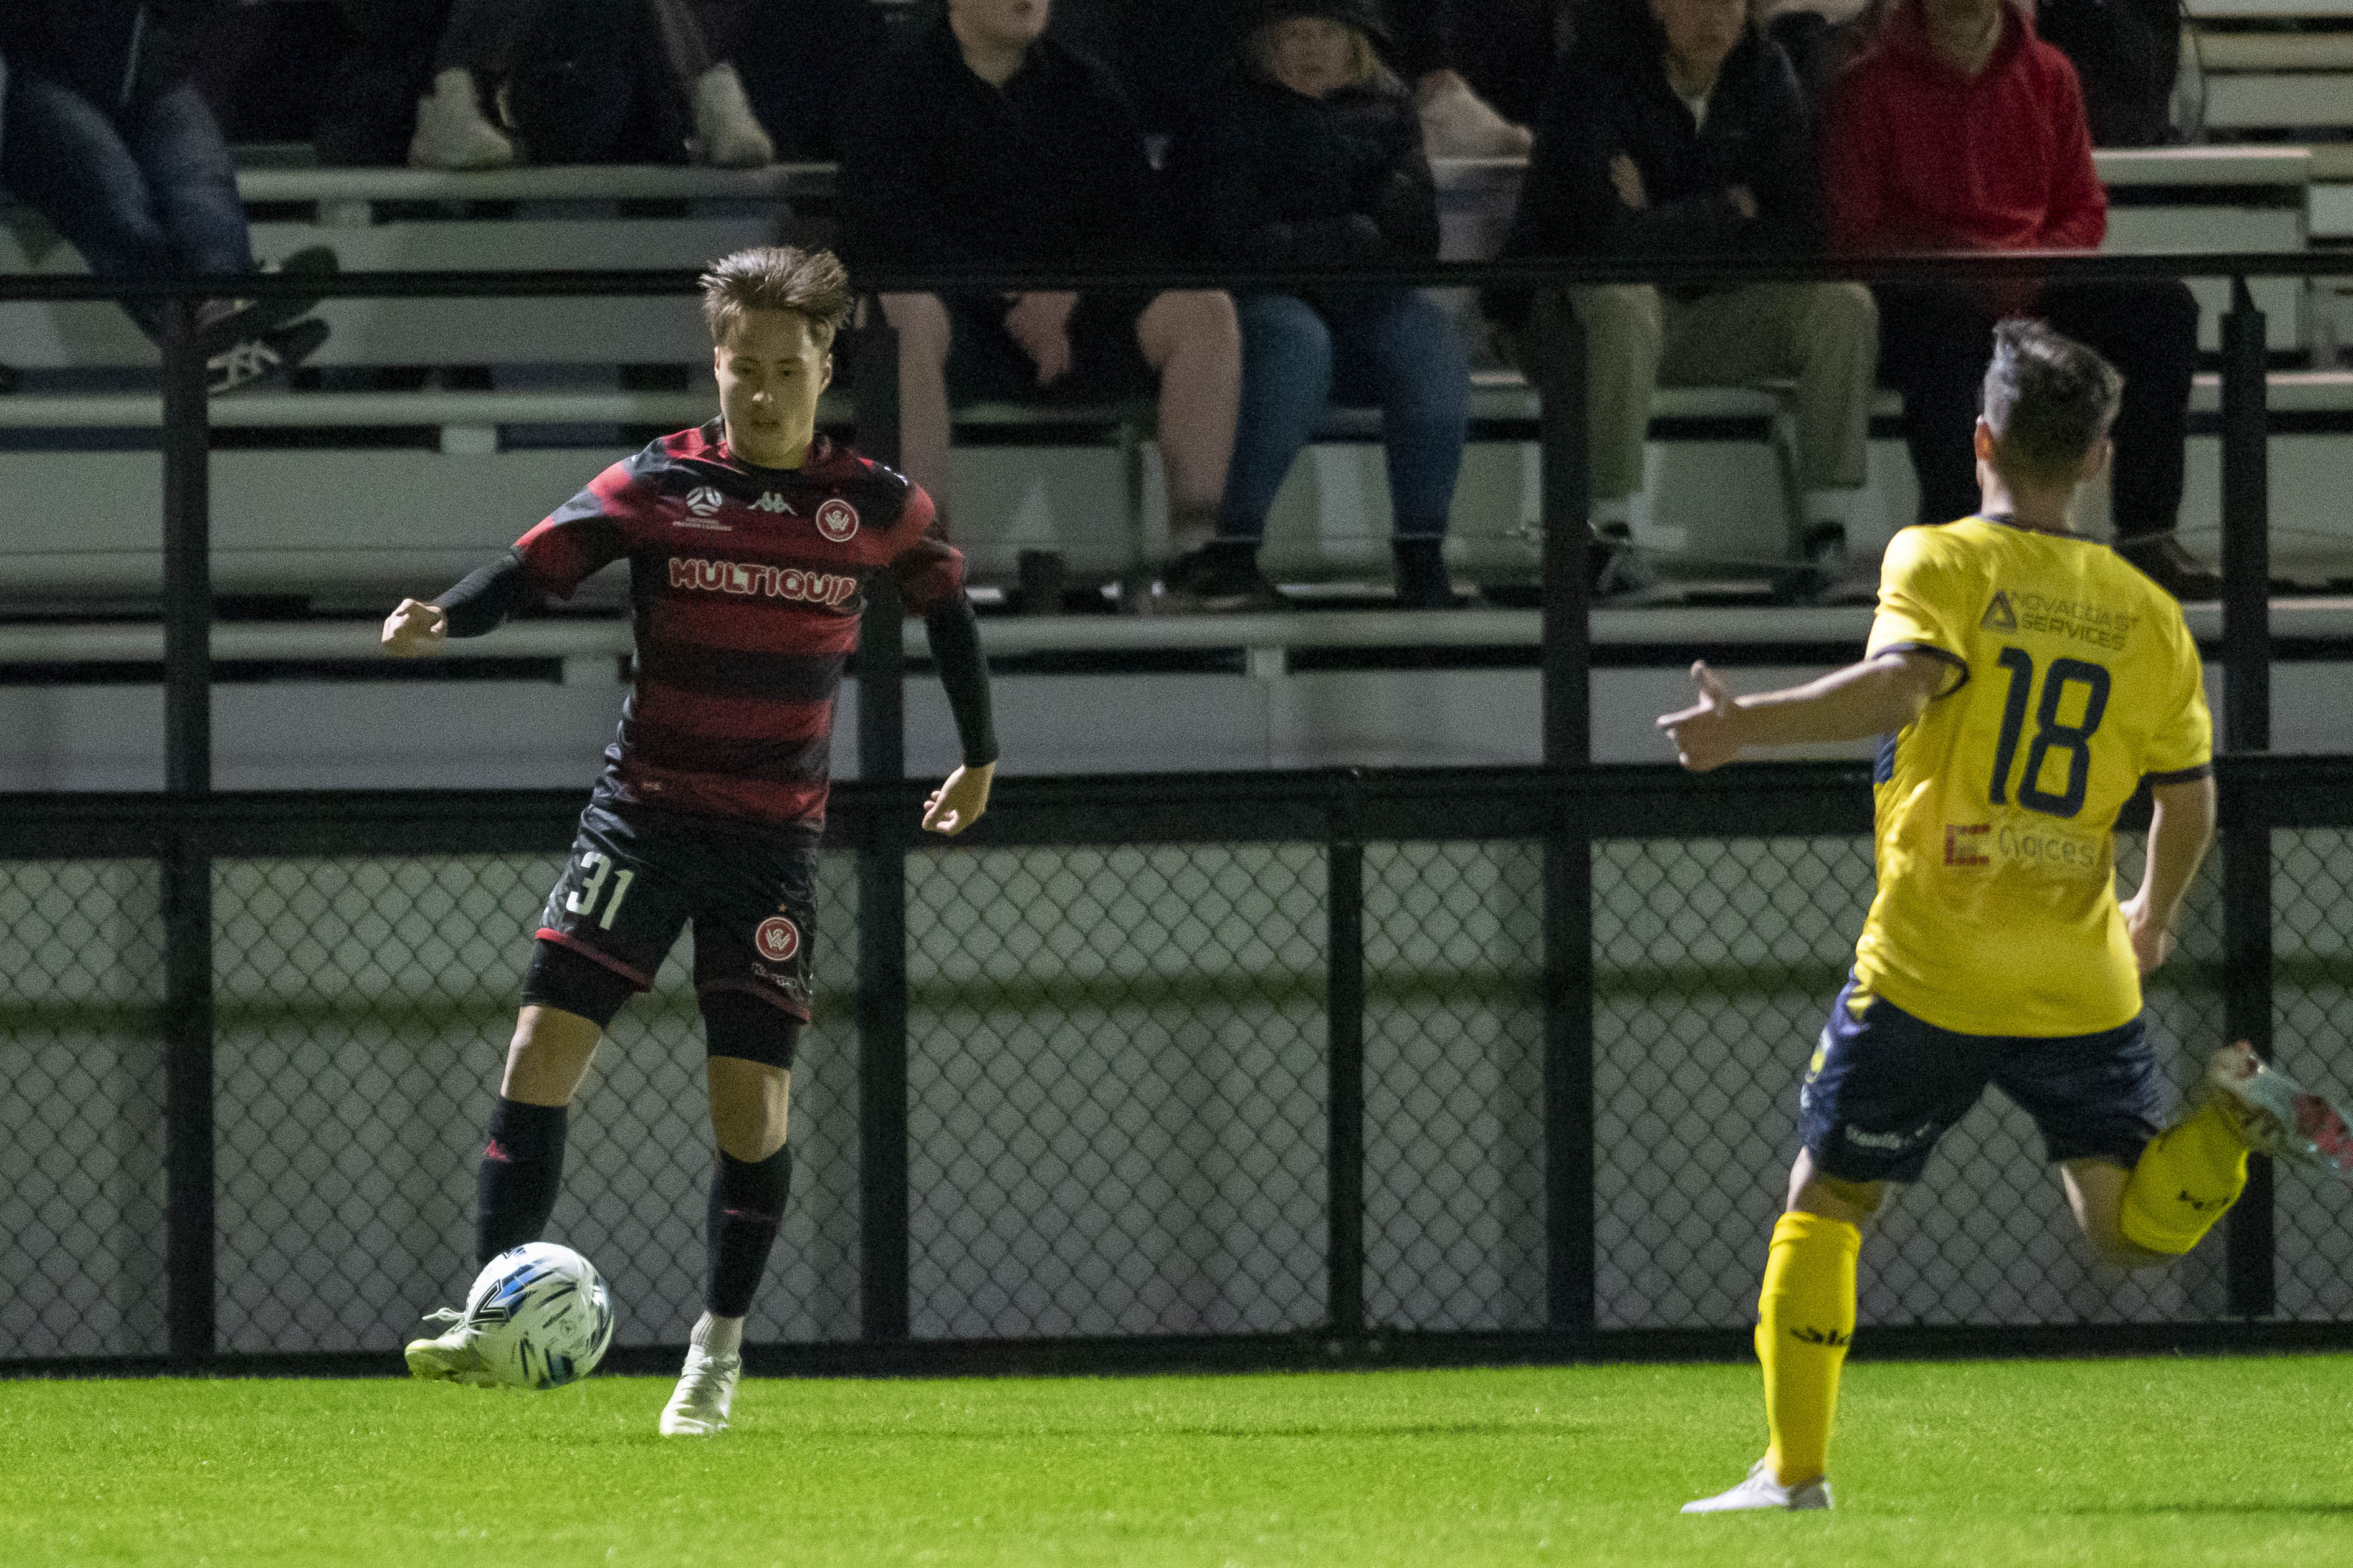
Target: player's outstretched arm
(1883, 693)
(2180, 825)
(479, 603)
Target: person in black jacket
(1315, 160)
(1676, 129)
(107, 138)
(988, 145)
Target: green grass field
(2173, 1461)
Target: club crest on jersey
(837, 520)
(777, 938)
(771, 501)
(703, 501)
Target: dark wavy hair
(2049, 401)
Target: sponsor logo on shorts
(830, 589)
(838, 521)
(777, 938)
(1887, 1142)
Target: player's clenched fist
(960, 802)
(416, 627)
(1704, 732)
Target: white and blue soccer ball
(541, 1315)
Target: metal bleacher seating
(336, 495)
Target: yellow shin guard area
(1805, 1317)
(2183, 1181)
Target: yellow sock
(1805, 1317)
(2183, 1181)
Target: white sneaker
(451, 1356)
(451, 132)
(1457, 123)
(2279, 1116)
(1760, 1490)
(698, 1408)
(726, 135)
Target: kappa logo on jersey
(2000, 615)
(771, 501)
(837, 520)
(777, 938)
(827, 588)
(703, 501)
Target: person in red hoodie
(1961, 129)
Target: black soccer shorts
(637, 878)
(1884, 1086)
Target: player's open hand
(2152, 944)
(962, 801)
(1703, 733)
(416, 627)
(1040, 323)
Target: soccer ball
(540, 1314)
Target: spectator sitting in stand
(586, 81)
(1678, 129)
(986, 144)
(1962, 130)
(107, 139)
(1315, 160)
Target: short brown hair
(2049, 401)
(1363, 60)
(811, 283)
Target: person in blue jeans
(1314, 160)
(106, 137)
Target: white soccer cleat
(698, 1408)
(451, 130)
(726, 133)
(1457, 123)
(1760, 1490)
(2278, 1115)
(451, 1356)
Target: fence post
(883, 1139)
(1568, 1097)
(1343, 1013)
(187, 874)
(2251, 1278)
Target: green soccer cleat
(2279, 1116)
(1760, 1490)
(451, 1356)
(698, 1408)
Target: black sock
(747, 1205)
(523, 1165)
(1421, 571)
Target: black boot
(1421, 580)
(2172, 568)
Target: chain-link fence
(1307, 1081)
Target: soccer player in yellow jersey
(2028, 682)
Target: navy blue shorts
(637, 878)
(1883, 1086)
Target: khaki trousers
(1825, 336)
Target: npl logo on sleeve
(838, 521)
(704, 501)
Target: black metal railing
(1495, 937)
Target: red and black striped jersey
(745, 585)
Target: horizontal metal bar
(2069, 267)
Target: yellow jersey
(2073, 679)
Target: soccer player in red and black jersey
(749, 544)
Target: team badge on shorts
(837, 520)
(777, 938)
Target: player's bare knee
(547, 1057)
(1812, 1192)
(1195, 323)
(751, 1107)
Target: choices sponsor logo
(838, 521)
(777, 938)
(831, 589)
